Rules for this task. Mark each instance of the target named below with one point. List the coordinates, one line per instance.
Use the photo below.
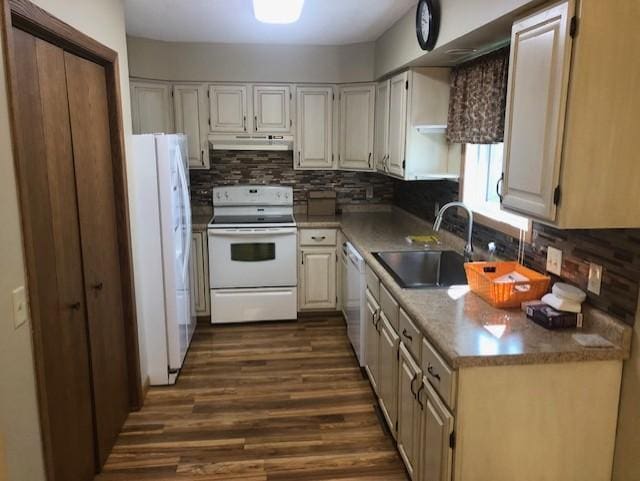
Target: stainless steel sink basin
(424, 269)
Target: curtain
(478, 99)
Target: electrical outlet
(369, 192)
(20, 309)
(595, 278)
(554, 260)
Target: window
(482, 171)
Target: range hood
(251, 142)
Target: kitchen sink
(424, 269)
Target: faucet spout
(468, 248)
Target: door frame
(32, 19)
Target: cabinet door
(314, 125)
(199, 274)
(398, 87)
(409, 380)
(272, 108)
(228, 108)
(151, 108)
(381, 146)
(318, 278)
(388, 371)
(437, 427)
(372, 340)
(536, 99)
(191, 119)
(357, 112)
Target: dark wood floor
(260, 402)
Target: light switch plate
(369, 192)
(554, 260)
(20, 308)
(595, 278)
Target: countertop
(465, 329)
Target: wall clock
(427, 23)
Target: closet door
(49, 210)
(87, 90)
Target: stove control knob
(226, 194)
(278, 195)
(218, 195)
(286, 196)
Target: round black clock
(427, 23)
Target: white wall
(19, 425)
(153, 59)
(626, 465)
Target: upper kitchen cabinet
(410, 126)
(190, 111)
(228, 108)
(272, 108)
(570, 133)
(314, 128)
(151, 108)
(357, 112)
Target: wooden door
(388, 372)
(49, 210)
(228, 108)
(272, 108)
(372, 340)
(191, 120)
(318, 278)
(536, 101)
(409, 380)
(87, 90)
(151, 108)
(381, 145)
(357, 113)
(435, 436)
(314, 124)
(398, 88)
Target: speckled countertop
(464, 328)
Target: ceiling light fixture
(277, 11)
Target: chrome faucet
(468, 249)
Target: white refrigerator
(161, 232)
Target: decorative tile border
(617, 250)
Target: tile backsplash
(265, 167)
(617, 250)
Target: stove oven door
(252, 258)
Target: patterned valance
(478, 99)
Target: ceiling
(323, 22)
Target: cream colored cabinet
(317, 278)
(191, 119)
(436, 436)
(570, 151)
(229, 108)
(410, 126)
(272, 108)
(151, 107)
(199, 273)
(388, 372)
(539, 77)
(409, 411)
(381, 131)
(372, 339)
(314, 128)
(357, 113)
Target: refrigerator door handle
(187, 206)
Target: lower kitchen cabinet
(436, 440)
(199, 274)
(388, 372)
(410, 409)
(317, 271)
(372, 340)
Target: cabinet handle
(320, 238)
(433, 373)
(98, 286)
(499, 187)
(369, 159)
(407, 335)
(255, 122)
(418, 396)
(202, 156)
(75, 306)
(244, 123)
(415, 376)
(298, 158)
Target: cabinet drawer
(373, 283)
(389, 306)
(318, 237)
(439, 374)
(409, 335)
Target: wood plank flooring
(261, 402)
